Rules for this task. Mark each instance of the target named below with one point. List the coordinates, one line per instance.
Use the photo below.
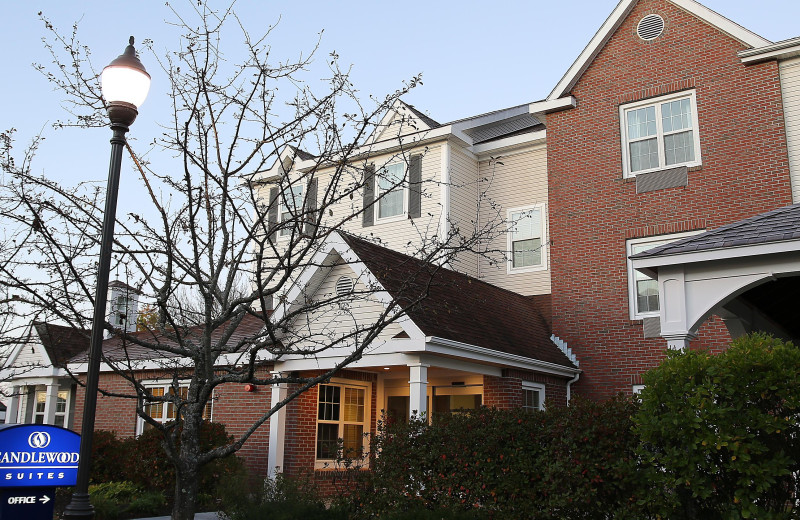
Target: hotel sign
(38, 455)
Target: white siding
(324, 325)
(790, 86)
(464, 203)
(521, 180)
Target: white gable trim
(621, 12)
(335, 245)
(783, 50)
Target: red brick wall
(233, 407)
(593, 209)
(506, 391)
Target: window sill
(387, 220)
(529, 269)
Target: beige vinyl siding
(790, 86)
(28, 358)
(464, 203)
(330, 322)
(521, 180)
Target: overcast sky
(474, 56)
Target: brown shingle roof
(461, 308)
(62, 343)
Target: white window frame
(320, 463)
(288, 194)
(529, 386)
(656, 241)
(56, 413)
(166, 385)
(379, 194)
(657, 102)
(543, 250)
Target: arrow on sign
(45, 499)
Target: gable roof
(462, 308)
(119, 348)
(778, 225)
(618, 15)
(62, 343)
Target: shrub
(117, 500)
(109, 456)
(576, 462)
(723, 429)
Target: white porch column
(277, 430)
(679, 341)
(12, 411)
(418, 389)
(51, 399)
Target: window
(291, 210)
(660, 133)
(456, 397)
(390, 192)
(342, 413)
(643, 290)
(61, 408)
(164, 411)
(532, 396)
(526, 244)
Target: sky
(474, 57)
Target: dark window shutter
(311, 208)
(415, 187)
(369, 196)
(272, 213)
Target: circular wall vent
(650, 27)
(344, 286)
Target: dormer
(401, 120)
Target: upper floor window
(390, 191)
(163, 410)
(291, 210)
(526, 243)
(659, 133)
(643, 290)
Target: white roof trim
(780, 50)
(552, 105)
(621, 12)
(511, 142)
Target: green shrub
(118, 500)
(724, 430)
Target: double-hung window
(60, 416)
(532, 396)
(643, 290)
(343, 415)
(660, 133)
(390, 192)
(163, 410)
(291, 210)
(526, 244)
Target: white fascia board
(726, 25)
(649, 265)
(591, 50)
(35, 376)
(447, 347)
(777, 51)
(515, 141)
(367, 361)
(552, 105)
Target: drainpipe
(569, 384)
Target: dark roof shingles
(62, 343)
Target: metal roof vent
(344, 286)
(650, 27)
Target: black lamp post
(125, 84)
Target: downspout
(569, 384)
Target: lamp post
(125, 84)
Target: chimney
(122, 308)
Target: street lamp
(125, 84)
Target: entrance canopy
(747, 272)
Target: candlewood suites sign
(33, 455)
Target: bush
(723, 430)
(576, 462)
(117, 500)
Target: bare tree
(212, 218)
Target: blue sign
(29, 503)
(35, 455)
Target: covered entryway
(748, 273)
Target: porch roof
(461, 308)
(61, 342)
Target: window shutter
(415, 187)
(311, 208)
(369, 196)
(272, 213)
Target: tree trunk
(187, 474)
